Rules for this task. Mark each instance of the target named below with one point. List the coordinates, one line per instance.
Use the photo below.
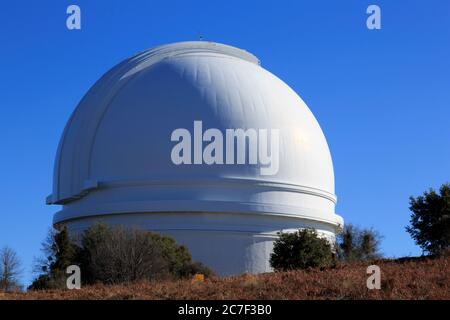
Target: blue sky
(382, 97)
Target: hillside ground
(414, 278)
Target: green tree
(64, 250)
(301, 250)
(355, 244)
(430, 220)
(59, 253)
(178, 257)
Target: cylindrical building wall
(227, 243)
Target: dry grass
(414, 279)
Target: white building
(114, 159)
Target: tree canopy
(300, 250)
(430, 220)
(356, 244)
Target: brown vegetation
(401, 279)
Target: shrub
(355, 244)
(177, 256)
(193, 268)
(300, 250)
(113, 255)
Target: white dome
(114, 158)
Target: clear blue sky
(381, 97)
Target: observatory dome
(114, 161)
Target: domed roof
(115, 153)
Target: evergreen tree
(60, 252)
(430, 220)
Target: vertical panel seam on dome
(69, 126)
(106, 105)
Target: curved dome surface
(115, 153)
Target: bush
(54, 280)
(355, 244)
(300, 250)
(430, 220)
(113, 255)
(193, 268)
(177, 257)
